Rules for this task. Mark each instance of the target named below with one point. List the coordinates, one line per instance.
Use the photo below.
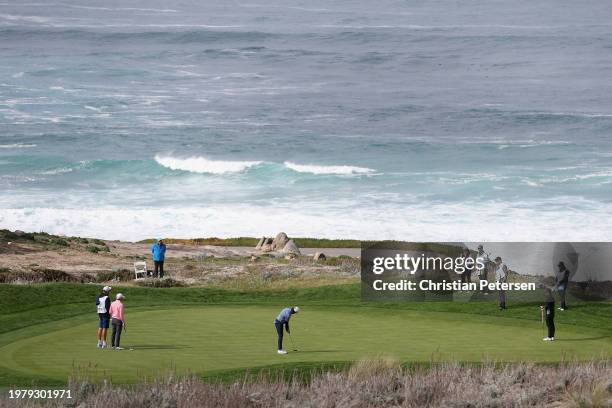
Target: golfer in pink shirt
(117, 312)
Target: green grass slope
(47, 332)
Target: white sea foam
(491, 221)
(202, 165)
(28, 19)
(17, 146)
(92, 108)
(318, 169)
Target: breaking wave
(202, 165)
(318, 169)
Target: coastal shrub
(87, 278)
(55, 275)
(159, 283)
(118, 275)
(80, 240)
(98, 242)
(36, 276)
(93, 249)
(8, 276)
(58, 241)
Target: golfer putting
(282, 320)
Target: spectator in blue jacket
(159, 254)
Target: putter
(292, 343)
(125, 331)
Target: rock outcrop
(281, 243)
(291, 248)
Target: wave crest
(318, 169)
(198, 164)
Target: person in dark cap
(481, 267)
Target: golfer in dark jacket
(562, 281)
(283, 320)
(548, 311)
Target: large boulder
(279, 242)
(267, 245)
(260, 243)
(291, 248)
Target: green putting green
(214, 338)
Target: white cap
(106, 289)
(119, 296)
(296, 309)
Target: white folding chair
(140, 268)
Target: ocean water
(437, 120)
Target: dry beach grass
(370, 383)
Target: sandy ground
(24, 256)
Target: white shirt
(501, 272)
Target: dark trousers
(481, 277)
(502, 299)
(466, 277)
(116, 336)
(159, 269)
(550, 318)
(279, 331)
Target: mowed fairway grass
(211, 332)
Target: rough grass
(382, 383)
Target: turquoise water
(426, 121)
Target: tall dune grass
(377, 383)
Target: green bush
(80, 240)
(58, 241)
(93, 249)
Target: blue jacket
(284, 315)
(159, 252)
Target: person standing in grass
(562, 278)
(117, 312)
(501, 276)
(548, 313)
(481, 267)
(283, 320)
(103, 305)
(159, 254)
(466, 276)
